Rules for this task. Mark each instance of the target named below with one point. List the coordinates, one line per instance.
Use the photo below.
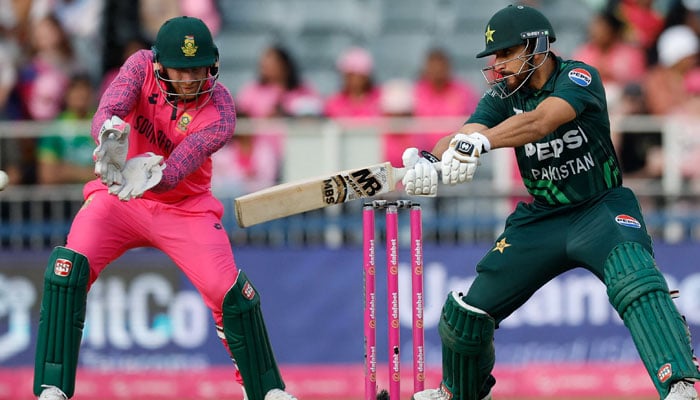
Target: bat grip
(400, 172)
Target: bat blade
(314, 193)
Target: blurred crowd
(58, 56)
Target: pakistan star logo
(489, 34)
(189, 49)
(501, 245)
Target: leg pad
(468, 354)
(639, 293)
(246, 335)
(61, 320)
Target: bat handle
(400, 172)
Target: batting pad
(468, 354)
(61, 320)
(246, 335)
(639, 293)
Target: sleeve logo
(580, 77)
(248, 292)
(626, 220)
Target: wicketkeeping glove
(421, 177)
(111, 150)
(140, 173)
(461, 158)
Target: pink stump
(392, 255)
(370, 327)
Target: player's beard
(515, 80)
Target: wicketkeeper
(156, 127)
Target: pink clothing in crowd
(258, 100)
(342, 105)
(247, 164)
(456, 99)
(623, 63)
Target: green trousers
(540, 243)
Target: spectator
(132, 46)
(397, 100)
(9, 103)
(52, 57)
(618, 61)
(438, 92)
(65, 155)
(206, 10)
(678, 48)
(82, 22)
(278, 90)
(153, 13)
(680, 12)
(641, 19)
(245, 165)
(358, 95)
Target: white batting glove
(140, 173)
(111, 150)
(421, 177)
(461, 158)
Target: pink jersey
(186, 137)
(342, 105)
(456, 99)
(258, 100)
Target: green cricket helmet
(182, 43)
(512, 26)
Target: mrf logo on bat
(362, 183)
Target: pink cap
(355, 60)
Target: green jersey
(577, 160)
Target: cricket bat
(309, 194)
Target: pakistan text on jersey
(145, 127)
(559, 172)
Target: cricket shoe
(277, 394)
(274, 394)
(52, 393)
(682, 390)
(439, 394)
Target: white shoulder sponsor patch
(628, 221)
(580, 77)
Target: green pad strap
(61, 320)
(639, 293)
(246, 335)
(468, 354)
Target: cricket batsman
(156, 127)
(553, 112)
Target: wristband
(429, 156)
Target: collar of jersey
(549, 85)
